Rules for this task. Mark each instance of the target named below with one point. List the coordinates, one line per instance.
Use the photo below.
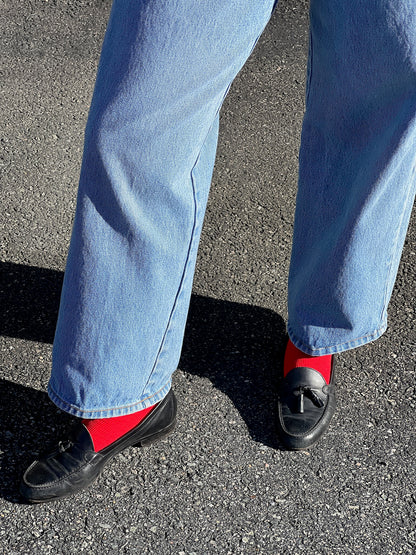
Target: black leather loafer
(306, 404)
(74, 465)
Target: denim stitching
(76, 411)
(339, 347)
(180, 288)
(184, 273)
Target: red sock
(294, 358)
(104, 431)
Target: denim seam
(171, 316)
(74, 408)
(180, 287)
(191, 242)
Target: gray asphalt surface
(221, 484)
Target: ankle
(104, 431)
(295, 358)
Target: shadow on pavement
(236, 346)
(239, 348)
(29, 301)
(29, 424)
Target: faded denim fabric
(149, 152)
(357, 172)
(150, 143)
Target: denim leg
(148, 158)
(357, 172)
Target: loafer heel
(156, 437)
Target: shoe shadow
(29, 423)
(238, 347)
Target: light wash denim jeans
(150, 144)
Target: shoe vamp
(300, 423)
(53, 469)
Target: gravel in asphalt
(221, 483)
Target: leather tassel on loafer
(306, 404)
(74, 464)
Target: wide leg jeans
(150, 142)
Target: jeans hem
(338, 347)
(108, 412)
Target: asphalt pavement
(221, 483)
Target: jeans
(150, 142)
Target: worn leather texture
(306, 404)
(74, 464)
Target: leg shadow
(29, 422)
(238, 347)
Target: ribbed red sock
(294, 358)
(104, 431)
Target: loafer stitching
(327, 389)
(55, 481)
